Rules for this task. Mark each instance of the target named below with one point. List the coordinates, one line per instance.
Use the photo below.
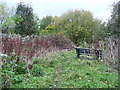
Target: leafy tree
(45, 22)
(77, 25)
(114, 22)
(100, 31)
(25, 23)
(49, 30)
(6, 19)
(36, 24)
(50, 27)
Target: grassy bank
(63, 70)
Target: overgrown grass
(63, 70)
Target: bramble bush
(14, 68)
(33, 45)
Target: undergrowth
(61, 69)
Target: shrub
(14, 64)
(33, 45)
(12, 67)
(36, 71)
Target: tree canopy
(78, 25)
(113, 24)
(25, 20)
(6, 18)
(45, 22)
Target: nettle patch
(16, 69)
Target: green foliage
(11, 68)
(14, 70)
(78, 25)
(36, 71)
(64, 70)
(14, 64)
(49, 30)
(44, 32)
(17, 79)
(6, 19)
(36, 24)
(59, 69)
(26, 25)
(45, 22)
(50, 27)
(113, 24)
(100, 32)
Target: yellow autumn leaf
(79, 59)
(80, 78)
(71, 87)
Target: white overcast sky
(99, 8)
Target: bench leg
(77, 52)
(78, 56)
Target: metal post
(78, 52)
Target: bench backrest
(98, 53)
(86, 51)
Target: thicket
(33, 45)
